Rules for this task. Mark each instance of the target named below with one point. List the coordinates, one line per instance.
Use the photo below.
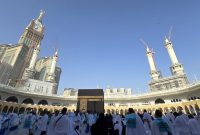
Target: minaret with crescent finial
(34, 57)
(30, 70)
(41, 16)
(176, 68)
(51, 75)
(155, 74)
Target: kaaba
(90, 100)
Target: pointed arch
(40, 110)
(192, 109)
(117, 111)
(173, 109)
(139, 110)
(196, 107)
(10, 110)
(108, 111)
(126, 111)
(16, 110)
(166, 109)
(121, 111)
(149, 110)
(5, 109)
(112, 111)
(21, 110)
(179, 108)
(29, 109)
(187, 110)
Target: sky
(99, 40)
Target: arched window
(28, 101)
(43, 102)
(21, 110)
(159, 101)
(12, 99)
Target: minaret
(155, 74)
(51, 75)
(29, 71)
(176, 68)
(34, 57)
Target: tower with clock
(31, 38)
(34, 32)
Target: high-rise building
(19, 66)
(15, 58)
(31, 37)
(12, 60)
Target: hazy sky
(98, 40)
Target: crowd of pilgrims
(76, 123)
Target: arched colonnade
(21, 108)
(192, 107)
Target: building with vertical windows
(20, 66)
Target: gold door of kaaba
(90, 100)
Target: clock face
(36, 27)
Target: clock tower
(31, 38)
(34, 32)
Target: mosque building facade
(29, 82)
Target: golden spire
(41, 15)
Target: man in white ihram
(13, 124)
(134, 124)
(147, 122)
(62, 124)
(194, 125)
(159, 126)
(181, 125)
(41, 124)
